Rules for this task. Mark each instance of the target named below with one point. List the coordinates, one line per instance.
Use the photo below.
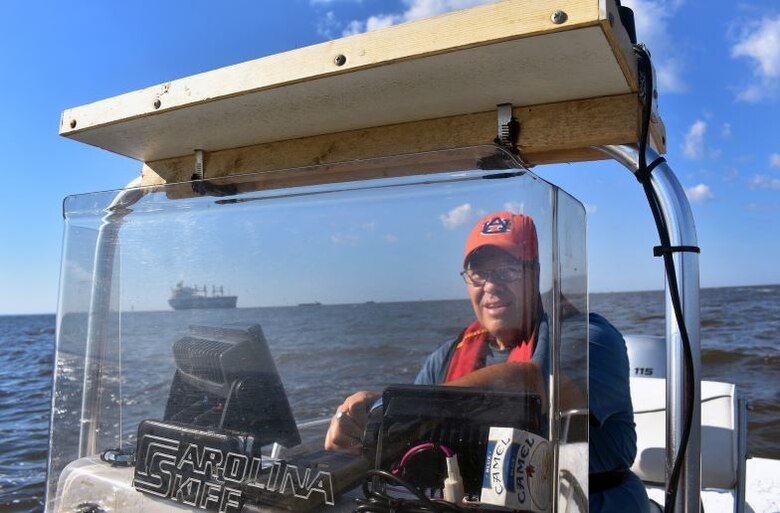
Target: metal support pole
(740, 495)
(676, 211)
(99, 309)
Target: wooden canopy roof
(567, 67)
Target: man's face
(503, 307)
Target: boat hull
(192, 303)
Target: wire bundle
(666, 251)
(378, 500)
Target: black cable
(377, 500)
(643, 175)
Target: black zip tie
(498, 176)
(642, 175)
(203, 187)
(663, 250)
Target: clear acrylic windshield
(209, 334)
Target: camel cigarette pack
(517, 470)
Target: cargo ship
(188, 298)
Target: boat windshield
(211, 335)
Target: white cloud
(699, 193)
(590, 209)
(392, 239)
(765, 182)
(774, 160)
(459, 216)
(427, 8)
(75, 271)
(514, 207)
(328, 26)
(693, 146)
(725, 130)
(652, 19)
(372, 23)
(760, 43)
(353, 27)
(415, 10)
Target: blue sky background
(719, 74)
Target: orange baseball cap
(514, 233)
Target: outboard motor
(646, 356)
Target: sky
(719, 84)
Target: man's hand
(349, 422)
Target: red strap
(471, 351)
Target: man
(506, 347)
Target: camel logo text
(517, 472)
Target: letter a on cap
(497, 225)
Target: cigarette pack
(517, 471)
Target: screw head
(73, 123)
(340, 60)
(157, 103)
(559, 17)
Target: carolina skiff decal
(209, 478)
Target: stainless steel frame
(740, 493)
(100, 304)
(676, 211)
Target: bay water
(359, 345)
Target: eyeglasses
(504, 274)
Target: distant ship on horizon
(184, 297)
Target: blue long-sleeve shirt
(612, 437)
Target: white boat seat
(719, 433)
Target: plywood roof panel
(511, 53)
